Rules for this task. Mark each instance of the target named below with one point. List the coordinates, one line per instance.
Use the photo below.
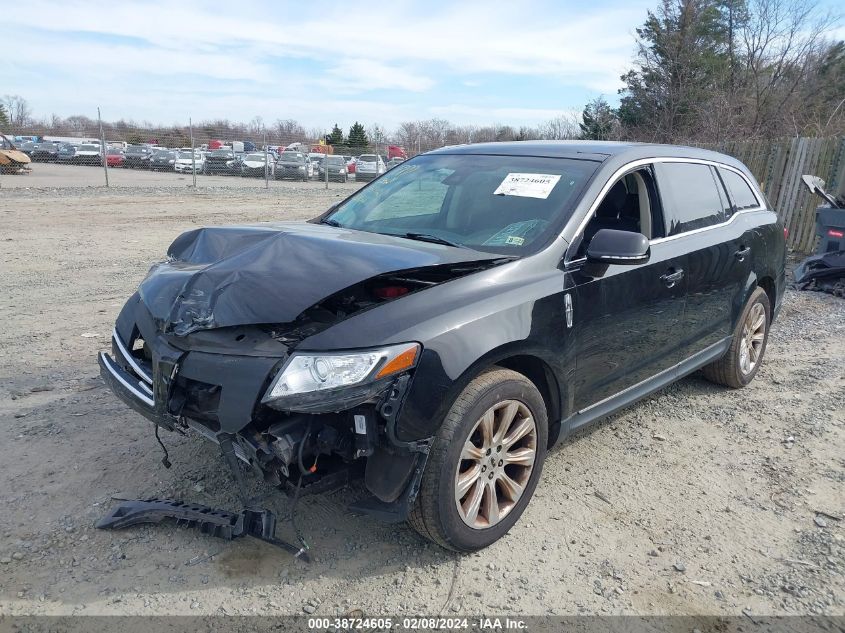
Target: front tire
(740, 364)
(484, 464)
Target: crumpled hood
(246, 275)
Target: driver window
(629, 205)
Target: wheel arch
(542, 376)
(767, 283)
(515, 356)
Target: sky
(379, 62)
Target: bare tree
(562, 127)
(780, 39)
(17, 110)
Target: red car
(114, 158)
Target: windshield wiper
(427, 237)
(330, 222)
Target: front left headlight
(309, 380)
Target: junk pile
(825, 271)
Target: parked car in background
(350, 164)
(27, 147)
(46, 152)
(336, 166)
(369, 166)
(89, 154)
(114, 157)
(393, 162)
(294, 166)
(316, 160)
(221, 161)
(186, 160)
(163, 160)
(137, 157)
(254, 165)
(440, 330)
(66, 153)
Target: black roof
(587, 150)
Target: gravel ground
(698, 500)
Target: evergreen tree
(4, 118)
(597, 120)
(684, 57)
(357, 136)
(336, 136)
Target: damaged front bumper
(217, 394)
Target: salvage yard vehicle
(337, 168)
(12, 160)
(137, 157)
(294, 165)
(188, 161)
(369, 166)
(114, 157)
(89, 154)
(221, 161)
(45, 152)
(163, 160)
(256, 164)
(66, 153)
(440, 329)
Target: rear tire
(469, 498)
(742, 361)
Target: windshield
(337, 161)
(292, 157)
(223, 153)
(367, 158)
(503, 204)
(187, 155)
(89, 148)
(257, 157)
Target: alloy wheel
(753, 335)
(496, 464)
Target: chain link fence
(248, 155)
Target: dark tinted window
(690, 196)
(741, 194)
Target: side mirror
(610, 246)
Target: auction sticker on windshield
(527, 185)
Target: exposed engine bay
(206, 340)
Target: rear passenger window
(741, 194)
(690, 197)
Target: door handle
(670, 279)
(742, 252)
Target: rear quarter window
(690, 197)
(741, 194)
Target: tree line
(703, 71)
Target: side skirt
(608, 406)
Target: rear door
(697, 213)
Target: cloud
(200, 56)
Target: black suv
(437, 331)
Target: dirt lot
(698, 500)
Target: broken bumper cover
(135, 387)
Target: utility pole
(266, 163)
(193, 152)
(103, 147)
(326, 160)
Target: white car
(369, 166)
(185, 162)
(256, 164)
(89, 154)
